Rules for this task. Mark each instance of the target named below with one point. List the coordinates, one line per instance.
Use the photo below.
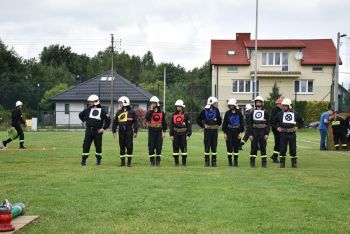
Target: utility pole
(255, 52)
(336, 75)
(112, 77)
(164, 89)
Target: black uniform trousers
(246, 136)
(91, 134)
(155, 142)
(179, 143)
(233, 143)
(210, 141)
(20, 133)
(258, 142)
(126, 135)
(288, 138)
(339, 136)
(276, 135)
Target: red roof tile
(315, 51)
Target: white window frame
(245, 85)
(265, 56)
(307, 86)
(232, 69)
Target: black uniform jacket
(233, 120)
(95, 117)
(125, 118)
(181, 124)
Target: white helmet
(19, 103)
(154, 99)
(287, 102)
(233, 102)
(180, 103)
(248, 107)
(94, 98)
(212, 100)
(125, 100)
(259, 98)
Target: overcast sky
(176, 31)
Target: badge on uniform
(288, 117)
(258, 115)
(123, 117)
(95, 113)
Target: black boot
(176, 158)
(229, 157)
(282, 162)
(6, 142)
(213, 160)
(129, 161)
(122, 161)
(98, 160)
(252, 162)
(263, 162)
(274, 158)
(158, 161)
(184, 158)
(83, 160)
(21, 146)
(294, 162)
(206, 160)
(152, 161)
(235, 161)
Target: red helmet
(279, 101)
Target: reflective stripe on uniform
(21, 141)
(99, 154)
(175, 154)
(184, 154)
(253, 156)
(129, 155)
(85, 154)
(276, 152)
(236, 154)
(264, 156)
(213, 154)
(122, 156)
(229, 154)
(159, 155)
(152, 156)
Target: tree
(275, 94)
(45, 103)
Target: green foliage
(313, 111)
(275, 94)
(45, 103)
(5, 116)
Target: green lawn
(314, 198)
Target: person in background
(324, 122)
(247, 116)
(339, 127)
(276, 134)
(17, 121)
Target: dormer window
(231, 52)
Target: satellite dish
(298, 55)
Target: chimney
(242, 36)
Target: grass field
(314, 198)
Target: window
(317, 69)
(243, 86)
(304, 86)
(275, 59)
(66, 109)
(232, 69)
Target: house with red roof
(302, 68)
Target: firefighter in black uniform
(96, 121)
(233, 127)
(157, 127)
(287, 123)
(339, 127)
(247, 119)
(17, 120)
(276, 148)
(180, 132)
(210, 119)
(259, 131)
(126, 121)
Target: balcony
(287, 74)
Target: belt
(155, 125)
(232, 126)
(180, 129)
(259, 125)
(288, 130)
(127, 127)
(206, 126)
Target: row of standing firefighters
(283, 121)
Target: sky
(177, 31)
